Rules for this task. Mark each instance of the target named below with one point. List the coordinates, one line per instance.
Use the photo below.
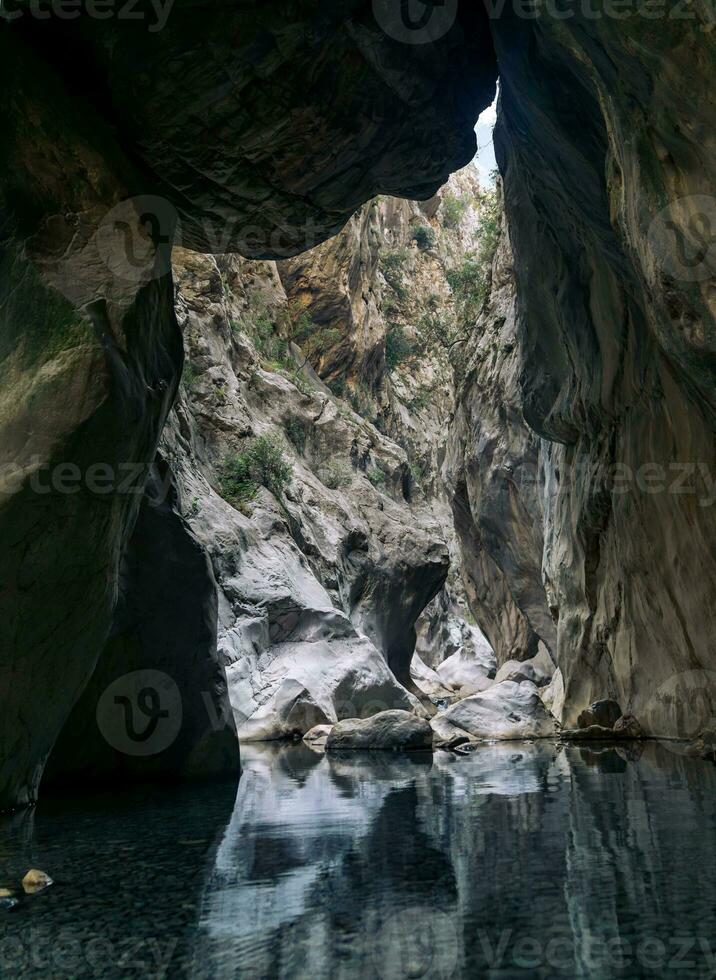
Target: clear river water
(519, 860)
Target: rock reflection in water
(520, 859)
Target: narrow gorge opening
(357, 508)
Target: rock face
(320, 584)
(91, 189)
(592, 526)
(310, 595)
(493, 472)
(618, 374)
(299, 115)
(165, 621)
(604, 713)
(387, 730)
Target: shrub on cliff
(261, 464)
(453, 210)
(424, 237)
(392, 265)
(398, 347)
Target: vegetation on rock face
(296, 432)
(424, 237)
(261, 464)
(398, 346)
(361, 400)
(189, 375)
(376, 476)
(270, 345)
(314, 339)
(392, 265)
(470, 280)
(453, 210)
(335, 475)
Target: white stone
(506, 711)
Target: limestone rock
(447, 735)
(91, 352)
(553, 695)
(471, 666)
(538, 669)
(588, 733)
(297, 686)
(505, 711)
(387, 730)
(318, 734)
(614, 359)
(703, 747)
(428, 680)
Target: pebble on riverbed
(34, 881)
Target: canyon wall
(592, 529)
(598, 515)
(118, 140)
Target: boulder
(471, 666)
(628, 727)
(604, 713)
(389, 730)
(506, 711)
(447, 735)
(591, 732)
(703, 747)
(318, 734)
(428, 680)
(538, 669)
(294, 687)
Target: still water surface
(520, 860)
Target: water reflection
(520, 860)
(529, 860)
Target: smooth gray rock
(553, 695)
(472, 666)
(388, 730)
(505, 711)
(538, 669)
